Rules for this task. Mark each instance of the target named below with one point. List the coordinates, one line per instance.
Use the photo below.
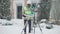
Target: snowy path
(17, 28)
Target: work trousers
(29, 23)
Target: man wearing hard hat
(27, 13)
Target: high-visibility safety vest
(27, 11)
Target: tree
(55, 10)
(45, 6)
(5, 9)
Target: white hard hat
(28, 2)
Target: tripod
(38, 25)
(34, 26)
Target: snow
(18, 25)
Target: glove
(24, 16)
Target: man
(27, 13)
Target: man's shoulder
(24, 7)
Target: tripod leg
(40, 28)
(34, 29)
(24, 27)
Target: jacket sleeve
(23, 12)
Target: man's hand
(23, 15)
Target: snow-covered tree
(5, 8)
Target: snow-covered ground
(18, 25)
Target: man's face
(28, 5)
